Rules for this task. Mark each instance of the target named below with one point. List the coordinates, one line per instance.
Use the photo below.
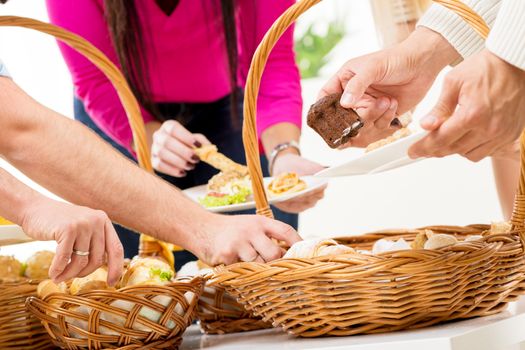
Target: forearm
(73, 162)
(506, 175)
(280, 133)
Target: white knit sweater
(506, 18)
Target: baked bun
(38, 265)
(500, 227)
(385, 245)
(440, 240)
(315, 248)
(94, 281)
(147, 270)
(10, 268)
(47, 287)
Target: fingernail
(197, 144)
(428, 121)
(347, 99)
(195, 158)
(190, 166)
(183, 173)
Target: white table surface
(504, 331)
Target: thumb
(356, 87)
(444, 108)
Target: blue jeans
(211, 119)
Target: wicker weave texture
(220, 313)
(18, 328)
(138, 317)
(359, 293)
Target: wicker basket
(18, 328)
(60, 314)
(219, 312)
(358, 293)
(104, 319)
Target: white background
(437, 191)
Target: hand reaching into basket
(172, 147)
(85, 238)
(228, 239)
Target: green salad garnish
(161, 274)
(219, 201)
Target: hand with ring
(85, 239)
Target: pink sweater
(187, 59)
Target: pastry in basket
(385, 245)
(95, 281)
(316, 247)
(398, 135)
(10, 269)
(37, 266)
(285, 183)
(147, 271)
(335, 124)
(500, 227)
(227, 188)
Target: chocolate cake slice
(335, 124)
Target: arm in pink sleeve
(86, 18)
(280, 93)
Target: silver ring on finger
(80, 252)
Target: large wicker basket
(358, 293)
(61, 314)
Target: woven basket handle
(128, 100)
(254, 79)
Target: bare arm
(71, 161)
(72, 227)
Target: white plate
(12, 234)
(312, 183)
(388, 157)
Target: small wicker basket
(18, 328)
(357, 293)
(219, 312)
(100, 319)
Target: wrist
(280, 150)
(433, 51)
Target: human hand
(479, 112)
(75, 228)
(382, 85)
(291, 162)
(226, 239)
(172, 150)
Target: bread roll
(315, 248)
(148, 270)
(500, 227)
(384, 245)
(10, 268)
(94, 281)
(47, 287)
(440, 240)
(38, 265)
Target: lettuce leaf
(213, 201)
